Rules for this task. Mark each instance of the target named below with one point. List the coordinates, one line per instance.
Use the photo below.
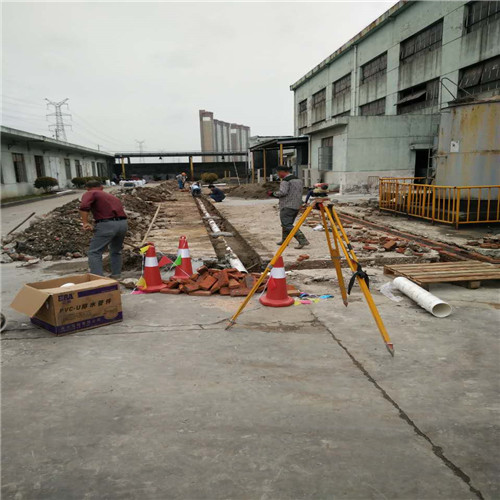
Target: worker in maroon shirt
(110, 227)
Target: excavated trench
(248, 256)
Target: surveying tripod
(340, 239)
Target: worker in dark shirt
(110, 227)
(217, 194)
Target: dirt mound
(253, 191)
(59, 233)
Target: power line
(58, 127)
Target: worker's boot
(302, 240)
(284, 234)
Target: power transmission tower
(58, 127)
(141, 149)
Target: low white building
(26, 156)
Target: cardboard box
(89, 302)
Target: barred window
(479, 78)
(325, 154)
(479, 14)
(302, 114)
(19, 167)
(67, 166)
(78, 167)
(376, 67)
(342, 86)
(418, 97)
(39, 166)
(425, 41)
(374, 108)
(319, 106)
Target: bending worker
(290, 200)
(110, 227)
(217, 195)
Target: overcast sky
(143, 70)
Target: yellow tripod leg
(335, 256)
(268, 268)
(348, 251)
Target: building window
(19, 167)
(325, 154)
(340, 115)
(303, 114)
(319, 106)
(342, 86)
(421, 96)
(100, 169)
(479, 14)
(39, 166)
(479, 78)
(67, 167)
(375, 68)
(426, 40)
(78, 167)
(94, 173)
(374, 108)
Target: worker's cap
(284, 168)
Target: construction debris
(206, 282)
(59, 233)
(253, 191)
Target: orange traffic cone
(152, 275)
(276, 295)
(185, 269)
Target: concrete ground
(297, 402)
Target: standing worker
(110, 227)
(181, 179)
(290, 201)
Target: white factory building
(373, 108)
(26, 156)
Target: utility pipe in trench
(423, 298)
(230, 255)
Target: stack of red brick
(207, 282)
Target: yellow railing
(448, 204)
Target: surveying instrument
(330, 218)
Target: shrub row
(80, 182)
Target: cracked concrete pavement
(298, 402)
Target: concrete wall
(368, 146)
(53, 163)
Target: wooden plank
(450, 265)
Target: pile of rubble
(253, 191)
(490, 243)
(207, 282)
(59, 233)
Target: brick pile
(206, 282)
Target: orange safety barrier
(447, 204)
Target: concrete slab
(298, 402)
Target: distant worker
(181, 179)
(217, 195)
(110, 227)
(290, 201)
(196, 189)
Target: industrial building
(27, 156)
(375, 106)
(217, 135)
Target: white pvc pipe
(231, 256)
(423, 298)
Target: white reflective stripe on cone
(151, 262)
(278, 272)
(183, 252)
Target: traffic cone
(276, 295)
(185, 269)
(152, 275)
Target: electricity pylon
(141, 149)
(58, 127)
